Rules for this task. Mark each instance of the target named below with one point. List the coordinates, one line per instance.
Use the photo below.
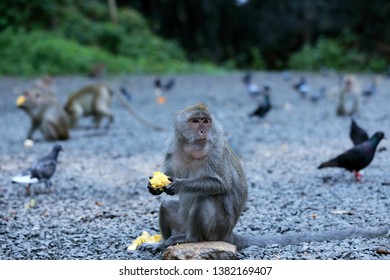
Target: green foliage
(336, 54)
(257, 34)
(29, 14)
(39, 52)
(130, 37)
(67, 36)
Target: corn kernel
(159, 180)
(20, 101)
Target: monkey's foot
(358, 176)
(174, 240)
(153, 248)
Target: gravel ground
(99, 202)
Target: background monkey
(95, 100)
(46, 115)
(46, 85)
(347, 95)
(92, 100)
(212, 189)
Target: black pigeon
(126, 93)
(40, 171)
(357, 134)
(169, 85)
(370, 90)
(356, 158)
(264, 107)
(164, 87)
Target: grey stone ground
(99, 202)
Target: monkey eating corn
(159, 181)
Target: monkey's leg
(170, 220)
(209, 221)
(34, 126)
(170, 224)
(97, 120)
(175, 239)
(49, 131)
(103, 111)
(62, 129)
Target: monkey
(46, 115)
(95, 100)
(46, 85)
(211, 185)
(348, 93)
(97, 71)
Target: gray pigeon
(40, 171)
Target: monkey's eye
(206, 121)
(195, 121)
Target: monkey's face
(28, 100)
(200, 128)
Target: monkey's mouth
(201, 141)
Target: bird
(357, 134)
(160, 87)
(356, 158)
(40, 171)
(320, 94)
(169, 84)
(98, 71)
(371, 89)
(265, 105)
(126, 93)
(302, 87)
(251, 88)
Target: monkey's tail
(138, 117)
(298, 237)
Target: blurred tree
(222, 30)
(244, 35)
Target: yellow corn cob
(20, 101)
(144, 238)
(159, 180)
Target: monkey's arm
(34, 126)
(202, 186)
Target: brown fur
(93, 100)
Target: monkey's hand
(153, 190)
(172, 188)
(158, 182)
